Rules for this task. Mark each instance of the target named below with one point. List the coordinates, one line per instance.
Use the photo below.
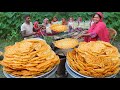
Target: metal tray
(46, 75)
(81, 75)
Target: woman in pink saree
(98, 30)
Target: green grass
(4, 43)
(48, 39)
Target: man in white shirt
(27, 28)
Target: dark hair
(55, 17)
(27, 15)
(97, 14)
(38, 21)
(63, 18)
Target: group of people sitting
(97, 30)
(36, 29)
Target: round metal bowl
(46, 75)
(71, 73)
(75, 74)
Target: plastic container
(75, 74)
(50, 74)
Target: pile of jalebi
(66, 43)
(29, 58)
(95, 59)
(59, 28)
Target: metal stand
(61, 67)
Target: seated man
(47, 25)
(27, 28)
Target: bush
(11, 21)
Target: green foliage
(48, 39)
(4, 43)
(11, 21)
